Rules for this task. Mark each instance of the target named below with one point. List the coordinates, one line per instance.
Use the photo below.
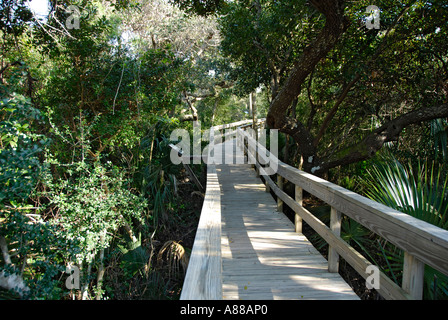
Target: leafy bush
(38, 250)
(19, 163)
(90, 199)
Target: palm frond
(174, 255)
(440, 137)
(421, 192)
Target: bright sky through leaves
(39, 8)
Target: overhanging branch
(388, 132)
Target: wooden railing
(421, 242)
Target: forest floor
(165, 254)
(190, 201)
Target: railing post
(268, 187)
(299, 200)
(280, 186)
(335, 226)
(245, 149)
(240, 140)
(413, 271)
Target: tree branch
(388, 132)
(335, 25)
(347, 89)
(5, 251)
(335, 108)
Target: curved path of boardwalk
(262, 256)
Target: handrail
(422, 242)
(203, 280)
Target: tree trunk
(277, 118)
(100, 276)
(85, 287)
(253, 100)
(335, 25)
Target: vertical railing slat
(335, 226)
(413, 272)
(297, 218)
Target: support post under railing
(335, 226)
(413, 272)
(280, 186)
(298, 218)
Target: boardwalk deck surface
(262, 256)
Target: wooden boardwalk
(245, 249)
(262, 256)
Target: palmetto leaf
(420, 192)
(440, 136)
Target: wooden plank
(284, 291)
(335, 226)
(279, 200)
(298, 193)
(306, 286)
(260, 245)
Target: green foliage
(201, 7)
(262, 39)
(420, 192)
(39, 248)
(108, 108)
(440, 138)
(368, 78)
(93, 198)
(13, 15)
(134, 258)
(20, 147)
(156, 173)
(93, 202)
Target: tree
(338, 75)
(193, 39)
(99, 104)
(200, 7)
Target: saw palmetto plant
(173, 256)
(421, 192)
